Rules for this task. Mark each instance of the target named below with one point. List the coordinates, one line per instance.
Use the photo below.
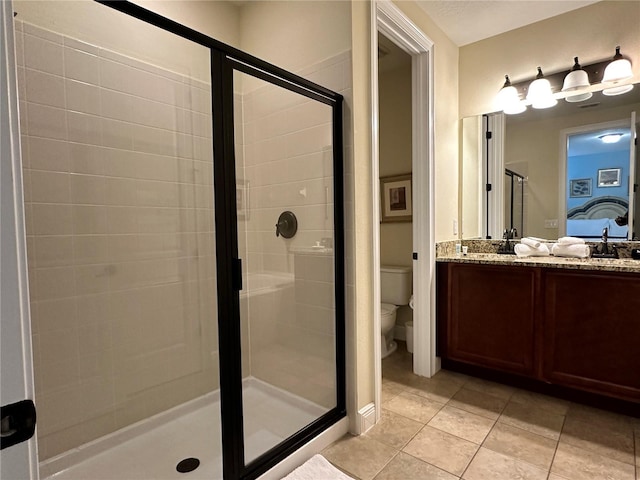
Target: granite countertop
(601, 264)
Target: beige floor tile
(577, 464)
(455, 377)
(442, 449)
(610, 441)
(479, 403)
(521, 445)
(462, 424)
(412, 406)
(394, 430)
(436, 390)
(534, 420)
(489, 465)
(543, 402)
(390, 389)
(406, 467)
(361, 456)
(491, 388)
(602, 417)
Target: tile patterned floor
(453, 426)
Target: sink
(604, 255)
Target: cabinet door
(592, 332)
(491, 316)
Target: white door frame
(395, 25)
(16, 378)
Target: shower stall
(176, 325)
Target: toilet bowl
(388, 313)
(395, 290)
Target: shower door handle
(237, 273)
(17, 423)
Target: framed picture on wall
(609, 177)
(580, 187)
(395, 198)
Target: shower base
(152, 448)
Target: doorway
(173, 298)
(394, 25)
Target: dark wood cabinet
(491, 316)
(570, 328)
(592, 331)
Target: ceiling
(468, 21)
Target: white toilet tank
(395, 284)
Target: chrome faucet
(605, 237)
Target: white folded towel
(570, 241)
(523, 250)
(575, 250)
(531, 241)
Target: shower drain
(187, 465)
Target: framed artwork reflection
(609, 177)
(395, 199)
(580, 187)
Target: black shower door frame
(224, 60)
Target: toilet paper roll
(411, 302)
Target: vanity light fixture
(509, 100)
(540, 94)
(576, 79)
(617, 71)
(610, 137)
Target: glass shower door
(117, 141)
(285, 221)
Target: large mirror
(551, 172)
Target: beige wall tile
(87, 159)
(89, 249)
(53, 251)
(57, 314)
(44, 121)
(44, 88)
(53, 283)
(87, 189)
(84, 128)
(89, 219)
(82, 97)
(43, 55)
(48, 154)
(82, 66)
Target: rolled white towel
(523, 250)
(531, 241)
(575, 250)
(570, 241)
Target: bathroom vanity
(564, 324)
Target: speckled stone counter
(483, 252)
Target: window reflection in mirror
(531, 145)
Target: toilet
(395, 290)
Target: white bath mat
(317, 468)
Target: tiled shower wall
(118, 201)
(288, 165)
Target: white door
(19, 461)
